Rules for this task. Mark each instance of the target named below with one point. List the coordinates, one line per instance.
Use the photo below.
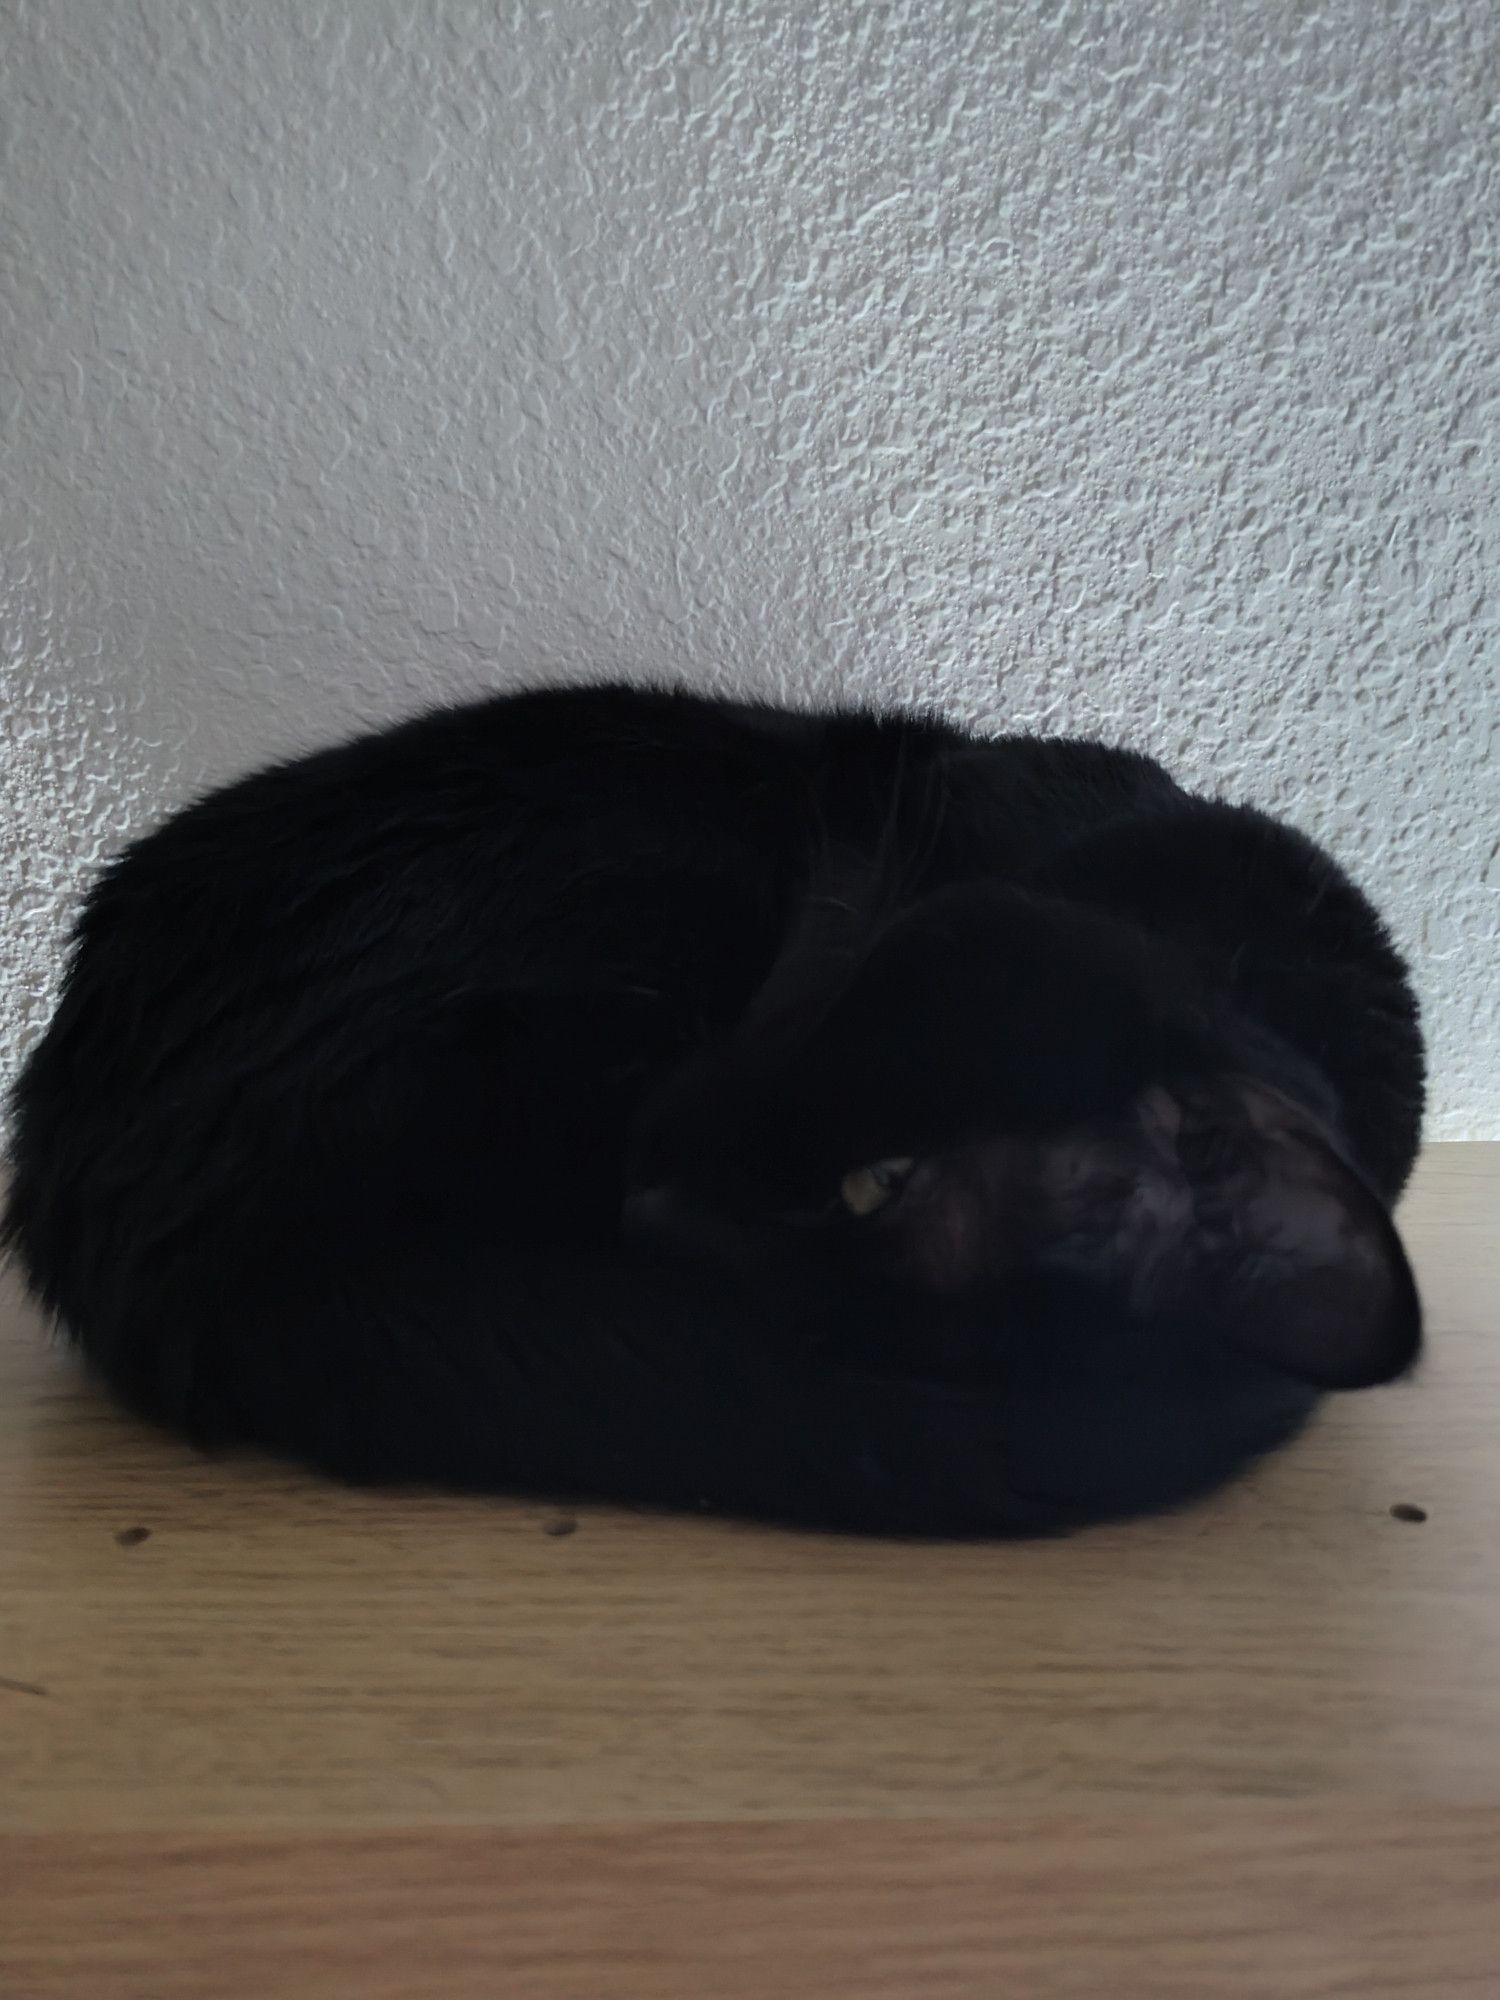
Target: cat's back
(522, 840)
(441, 779)
(251, 980)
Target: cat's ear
(1275, 1241)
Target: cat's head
(1001, 1137)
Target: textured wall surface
(1120, 367)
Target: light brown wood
(295, 1740)
(1112, 1904)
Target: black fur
(470, 1104)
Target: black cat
(836, 1119)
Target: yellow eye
(869, 1188)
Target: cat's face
(999, 1136)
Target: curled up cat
(833, 1119)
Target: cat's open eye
(869, 1188)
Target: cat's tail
(633, 1385)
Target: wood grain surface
(261, 1736)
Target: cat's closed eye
(867, 1189)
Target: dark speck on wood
(131, 1538)
(561, 1524)
(8, 1686)
(1407, 1510)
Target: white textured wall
(1120, 367)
